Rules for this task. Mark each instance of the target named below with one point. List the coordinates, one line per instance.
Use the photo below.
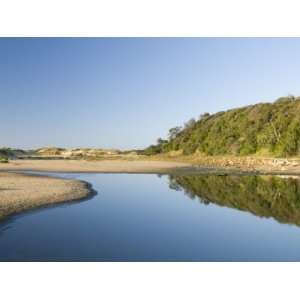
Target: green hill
(264, 128)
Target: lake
(139, 217)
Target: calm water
(152, 218)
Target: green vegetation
(3, 159)
(263, 196)
(5, 153)
(265, 128)
(9, 153)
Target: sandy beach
(215, 165)
(103, 166)
(19, 192)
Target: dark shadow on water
(276, 197)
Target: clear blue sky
(125, 93)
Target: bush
(273, 128)
(152, 150)
(3, 160)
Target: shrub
(273, 128)
(3, 159)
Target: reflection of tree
(264, 196)
(174, 185)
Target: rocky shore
(252, 164)
(234, 164)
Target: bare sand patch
(102, 166)
(19, 192)
(161, 165)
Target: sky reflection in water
(140, 218)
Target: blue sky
(125, 93)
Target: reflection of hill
(264, 196)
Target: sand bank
(214, 165)
(20, 192)
(103, 166)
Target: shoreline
(159, 165)
(21, 192)
(103, 166)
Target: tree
(204, 116)
(173, 132)
(189, 123)
(160, 141)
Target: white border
(149, 18)
(149, 281)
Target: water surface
(163, 218)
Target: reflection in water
(263, 196)
(138, 218)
